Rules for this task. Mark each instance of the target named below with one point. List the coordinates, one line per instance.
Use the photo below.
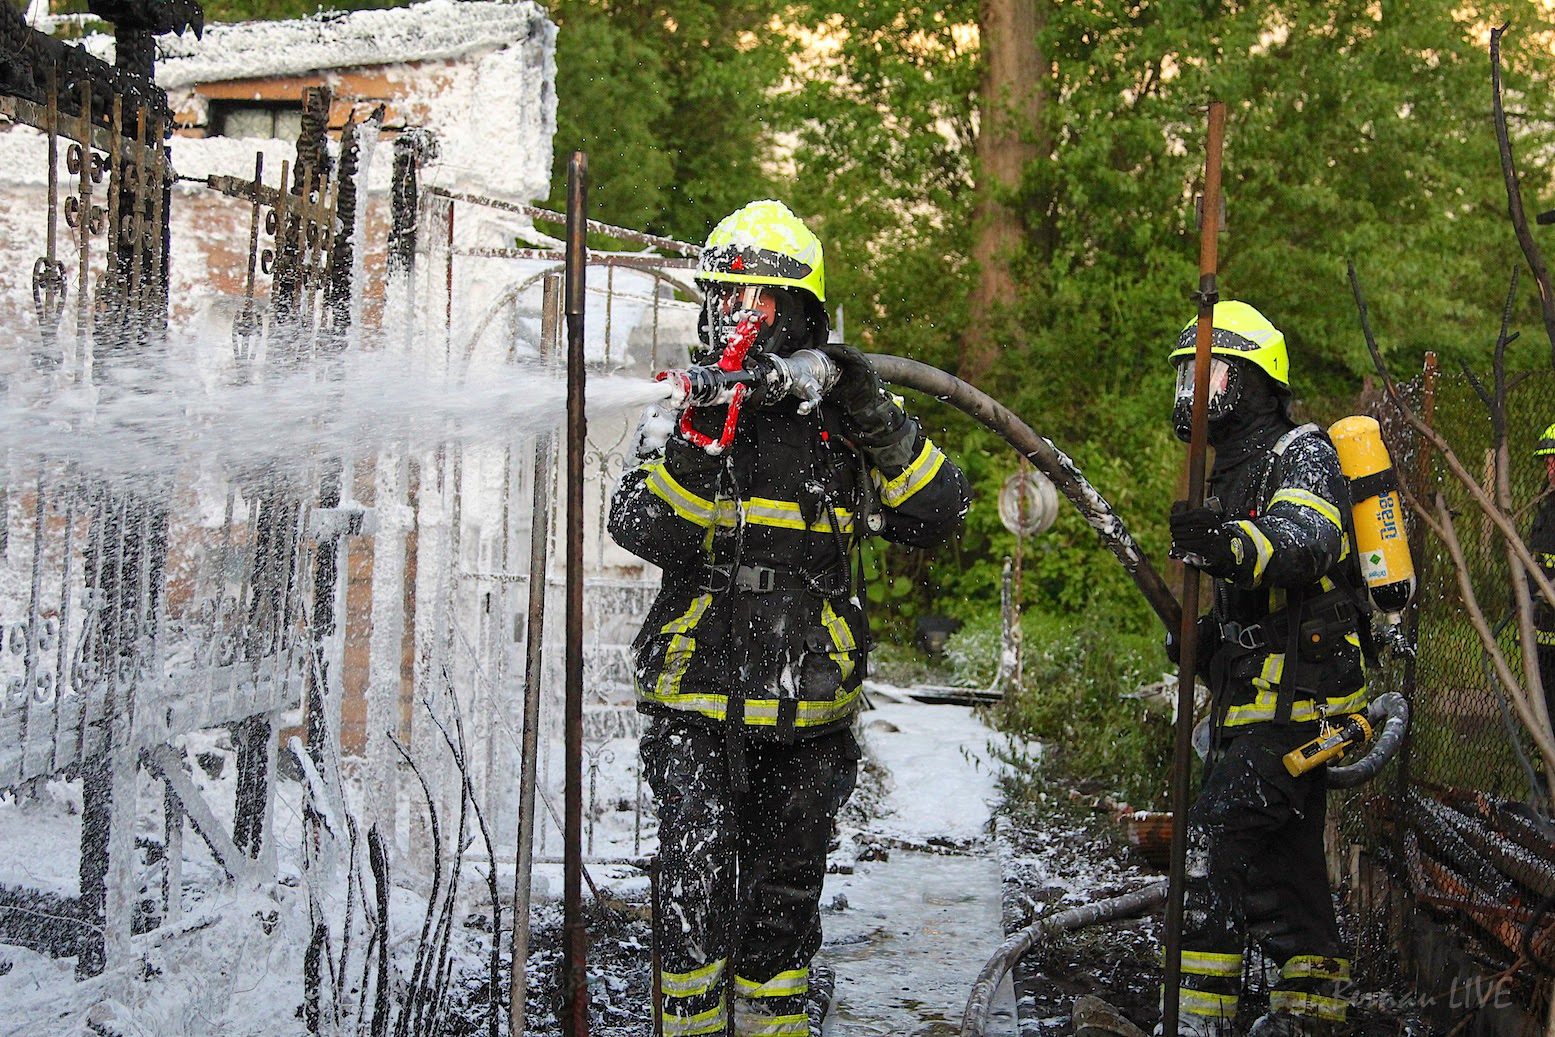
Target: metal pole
(575, 989)
(1198, 443)
(534, 661)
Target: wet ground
(906, 951)
(919, 924)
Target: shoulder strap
(1283, 443)
(1266, 486)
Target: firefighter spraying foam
(753, 500)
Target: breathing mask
(1225, 391)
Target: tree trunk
(1010, 135)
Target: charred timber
(26, 55)
(1430, 818)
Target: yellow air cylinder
(1379, 514)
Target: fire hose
(975, 1019)
(809, 373)
(1048, 459)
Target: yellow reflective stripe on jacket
(711, 705)
(914, 477)
(1200, 1002)
(759, 511)
(697, 981)
(1313, 1006)
(1266, 701)
(761, 712)
(794, 981)
(842, 639)
(1211, 963)
(775, 1026)
(1308, 499)
(686, 504)
(1315, 966)
(710, 1021)
(811, 713)
(681, 648)
(1261, 545)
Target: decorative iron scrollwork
(48, 291)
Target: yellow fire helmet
(764, 243)
(1546, 442)
(1241, 331)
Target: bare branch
(1514, 197)
(1477, 492)
(1478, 386)
(1540, 732)
(1526, 635)
(402, 1025)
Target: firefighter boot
(753, 1017)
(1290, 1024)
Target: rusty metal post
(575, 1014)
(1198, 444)
(653, 943)
(534, 661)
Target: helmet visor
(730, 303)
(1220, 385)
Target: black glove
(886, 434)
(1201, 539)
(687, 461)
(1209, 641)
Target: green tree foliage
(673, 103)
(1355, 129)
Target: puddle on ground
(917, 931)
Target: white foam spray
(164, 411)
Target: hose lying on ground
(1391, 708)
(980, 1003)
(1050, 460)
(1395, 708)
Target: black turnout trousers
(741, 865)
(1256, 867)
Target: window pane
(247, 122)
(288, 124)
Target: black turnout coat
(760, 619)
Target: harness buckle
(1251, 637)
(755, 579)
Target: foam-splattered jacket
(758, 620)
(1288, 504)
(1541, 542)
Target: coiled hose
(1393, 709)
(980, 1003)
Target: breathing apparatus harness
(1309, 638)
(745, 375)
(1310, 626)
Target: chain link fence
(1446, 861)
